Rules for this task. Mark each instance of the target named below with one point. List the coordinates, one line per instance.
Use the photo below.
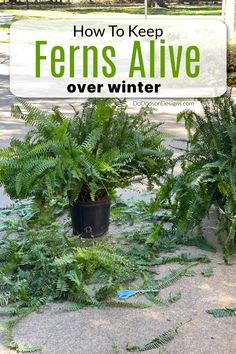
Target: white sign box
(110, 57)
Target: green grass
(75, 11)
(180, 10)
(64, 13)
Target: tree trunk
(161, 3)
(151, 3)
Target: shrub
(231, 65)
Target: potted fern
(85, 158)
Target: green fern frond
(80, 292)
(173, 276)
(174, 297)
(182, 258)
(4, 299)
(158, 342)
(7, 310)
(222, 312)
(72, 307)
(13, 164)
(128, 304)
(92, 139)
(156, 299)
(93, 257)
(34, 116)
(207, 272)
(107, 291)
(64, 260)
(80, 157)
(62, 286)
(43, 148)
(23, 347)
(115, 349)
(208, 171)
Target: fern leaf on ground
(182, 258)
(207, 272)
(222, 312)
(72, 307)
(23, 347)
(156, 299)
(173, 276)
(64, 260)
(115, 349)
(158, 342)
(107, 291)
(128, 304)
(174, 297)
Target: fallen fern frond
(182, 258)
(222, 312)
(173, 276)
(208, 272)
(161, 340)
(24, 347)
(156, 300)
(72, 307)
(138, 305)
(174, 297)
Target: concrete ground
(93, 331)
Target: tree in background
(160, 3)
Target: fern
(200, 242)
(182, 258)
(173, 276)
(117, 265)
(64, 260)
(222, 312)
(4, 299)
(167, 280)
(156, 300)
(158, 342)
(107, 291)
(8, 337)
(115, 349)
(7, 310)
(128, 304)
(23, 347)
(72, 307)
(70, 157)
(92, 139)
(207, 272)
(35, 116)
(174, 297)
(208, 174)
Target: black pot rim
(92, 203)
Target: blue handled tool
(126, 293)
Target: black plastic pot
(90, 219)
